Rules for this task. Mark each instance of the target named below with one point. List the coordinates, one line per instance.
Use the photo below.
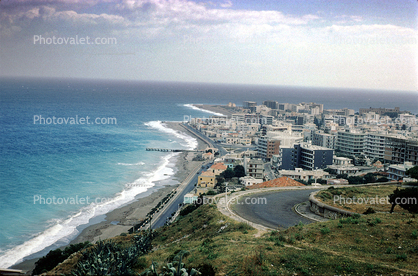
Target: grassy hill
(370, 244)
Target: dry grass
(376, 195)
(373, 244)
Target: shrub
(369, 210)
(414, 234)
(325, 231)
(389, 250)
(54, 257)
(411, 194)
(401, 257)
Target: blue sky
(352, 44)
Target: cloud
(227, 4)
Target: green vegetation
(406, 198)
(238, 171)
(154, 210)
(54, 257)
(217, 245)
(109, 258)
(368, 199)
(176, 268)
(413, 172)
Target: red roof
(283, 181)
(218, 166)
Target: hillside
(371, 244)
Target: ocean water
(47, 170)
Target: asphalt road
(190, 186)
(277, 213)
(222, 151)
(175, 205)
(268, 172)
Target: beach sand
(120, 220)
(223, 109)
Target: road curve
(277, 213)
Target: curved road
(277, 213)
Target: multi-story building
(379, 110)
(322, 139)
(350, 142)
(250, 105)
(398, 172)
(254, 168)
(206, 180)
(271, 104)
(266, 120)
(305, 156)
(267, 147)
(399, 150)
(374, 145)
(412, 152)
(310, 157)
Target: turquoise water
(106, 162)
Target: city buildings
(350, 142)
(305, 156)
(300, 174)
(305, 137)
(398, 172)
(254, 167)
(206, 180)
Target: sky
(370, 44)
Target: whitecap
(63, 231)
(136, 164)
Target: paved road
(190, 186)
(278, 210)
(268, 172)
(222, 151)
(175, 205)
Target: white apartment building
(374, 145)
(322, 139)
(350, 142)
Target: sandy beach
(120, 220)
(223, 109)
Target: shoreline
(123, 218)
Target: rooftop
(278, 182)
(207, 173)
(218, 166)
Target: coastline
(123, 218)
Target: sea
(73, 149)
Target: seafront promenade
(186, 186)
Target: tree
(406, 198)
(383, 179)
(344, 176)
(413, 172)
(369, 178)
(356, 180)
(228, 173)
(209, 150)
(239, 171)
